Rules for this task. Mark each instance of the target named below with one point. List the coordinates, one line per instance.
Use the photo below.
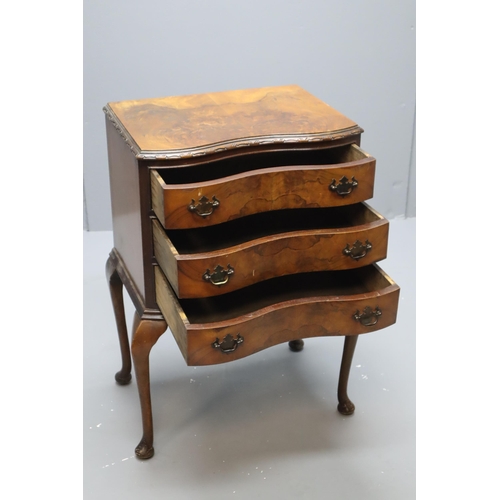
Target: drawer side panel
(172, 312)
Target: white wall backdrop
(356, 55)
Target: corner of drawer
(158, 195)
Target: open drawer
(203, 195)
(224, 328)
(219, 259)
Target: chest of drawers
(239, 219)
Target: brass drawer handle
(358, 250)
(220, 276)
(344, 187)
(204, 207)
(368, 317)
(229, 344)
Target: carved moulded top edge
(110, 115)
(220, 147)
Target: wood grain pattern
(271, 255)
(263, 190)
(281, 321)
(267, 158)
(171, 310)
(206, 123)
(166, 254)
(158, 187)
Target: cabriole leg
(124, 376)
(345, 406)
(146, 334)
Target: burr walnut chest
(239, 220)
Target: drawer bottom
(227, 327)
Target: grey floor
(264, 427)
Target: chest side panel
(126, 206)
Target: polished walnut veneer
(239, 219)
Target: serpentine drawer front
(267, 246)
(179, 202)
(279, 310)
(239, 220)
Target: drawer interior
(273, 291)
(210, 238)
(235, 165)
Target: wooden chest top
(201, 124)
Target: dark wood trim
(145, 313)
(146, 333)
(113, 119)
(123, 376)
(245, 152)
(147, 235)
(346, 406)
(348, 135)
